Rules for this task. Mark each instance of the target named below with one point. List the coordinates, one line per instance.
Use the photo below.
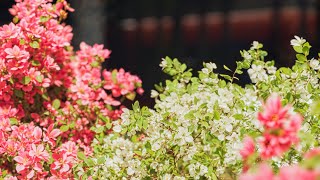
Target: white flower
(205, 70)
(125, 116)
(257, 73)
(154, 93)
(314, 64)
(163, 63)
(246, 55)
(117, 127)
(167, 177)
(130, 171)
(203, 170)
(229, 127)
(211, 66)
(221, 137)
(155, 146)
(255, 45)
(298, 41)
(271, 69)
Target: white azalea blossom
(298, 41)
(255, 45)
(257, 73)
(314, 64)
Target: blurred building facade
(141, 32)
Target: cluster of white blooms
(119, 160)
(205, 116)
(197, 125)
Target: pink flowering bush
(52, 98)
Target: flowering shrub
(61, 117)
(51, 98)
(208, 127)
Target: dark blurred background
(141, 32)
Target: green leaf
(35, 63)
(309, 88)
(114, 76)
(34, 44)
(286, 71)
(26, 80)
(81, 155)
(148, 146)
(22, 42)
(44, 19)
(136, 107)
(89, 162)
(302, 58)
(15, 19)
(298, 49)
(95, 64)
(315, 108)
(134, 139)
(39, 78)
(56, 104)
(99, 129)
(189, 115)
(183, 67)
(227, 77)
(226, 68)
(11, 80)
(13, 121)
(108, 125)
(131, 96)
(45, 96)
(104, 118)
(64, 128)
(19, 93)
(101, 160)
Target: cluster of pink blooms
(295, 172)
(280, 132)
(51, 96)
(280, 127)
(264, 172)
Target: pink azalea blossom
(281, 128)
(297, 173)
(17, 53)
(273, 113)
(248, 147)
(264, 172)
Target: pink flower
(62, 164)
(37, 133)
(297, 173)
(248, 147)
(9, 31)
(271, 145)
(313, 152)
(38, 153)
(264, 172)
(17, 53)
(24, 161)
(273, 113)
(281, 128)
(51, 135)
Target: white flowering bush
(196, 128)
